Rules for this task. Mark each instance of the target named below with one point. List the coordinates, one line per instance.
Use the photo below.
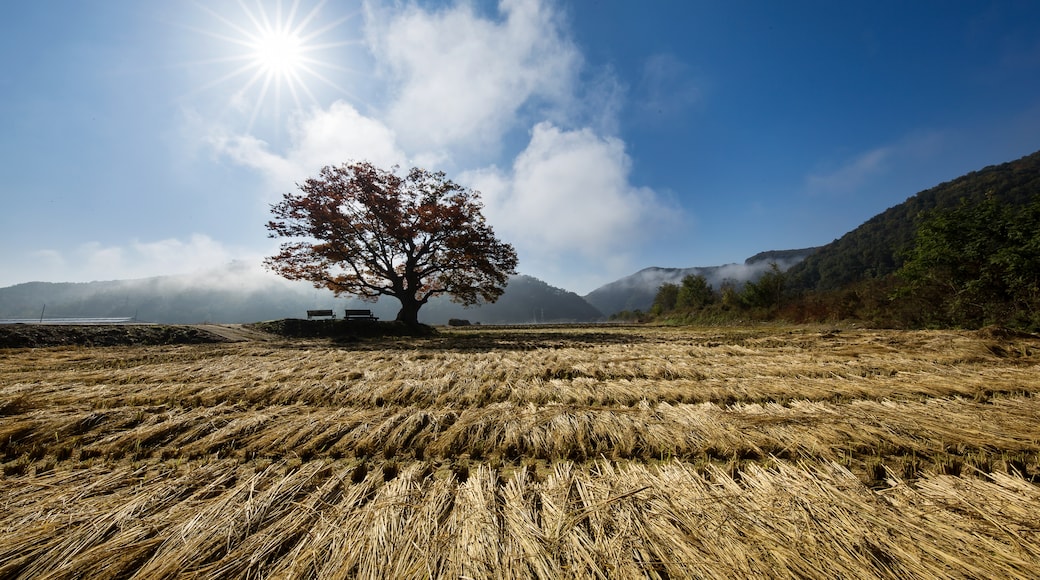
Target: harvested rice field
(599, 452)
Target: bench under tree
(350, 314)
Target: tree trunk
(409, 313)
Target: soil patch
(43, 335)
(340, 330)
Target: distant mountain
(526, 299)
(877, 248)
(241, 294)
(637, 292)
(236, 294)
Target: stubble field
(613, 452)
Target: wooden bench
(321, 314)
(358, 315)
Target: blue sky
(148, 138)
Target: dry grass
(604, 452)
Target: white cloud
(460, 80)
(340, 133)
(320, 137)
(600, 102)
(568, 200)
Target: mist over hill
(636, 292)
(242, 293)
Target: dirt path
(236, 332)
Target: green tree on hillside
(977, 264)
(729, 294)
(665, 300)
(767, 292)
(694, 293)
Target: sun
(279, 54)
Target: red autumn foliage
(360, 230)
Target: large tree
(357, 229)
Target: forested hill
(878, 247)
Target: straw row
(979, 432)
(603, 520)
(689, 368)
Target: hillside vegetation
(963, 254)
(880, 246)
(527, 453)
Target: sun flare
(277, 50)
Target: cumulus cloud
(461, 80)
(571, 189)
(320, 137)
(568, 195)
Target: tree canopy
(361, 230)
(978, 264)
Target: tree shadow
(528, 338)
(392, 335)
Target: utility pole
(41, 313)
